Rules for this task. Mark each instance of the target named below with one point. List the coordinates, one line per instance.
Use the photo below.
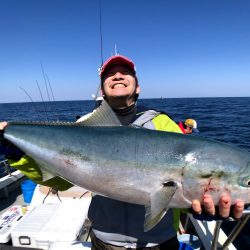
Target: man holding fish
(118, 224)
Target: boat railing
(213, 237)
(237, 229)
(6, 166)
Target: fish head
(242, 183)
(229, 174)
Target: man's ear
(102, 91)
(137, 90)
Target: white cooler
(50, 223)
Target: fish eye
(169, 184)
(246, 182)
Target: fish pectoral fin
(158, 206)
(46, 175)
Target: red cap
(117, 60)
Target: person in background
(118, 225)
(189, 126)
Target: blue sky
(181, 48)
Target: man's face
(189, 130)
(119, 84)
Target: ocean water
(224, 119)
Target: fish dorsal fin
(103, 116)
(158, 206)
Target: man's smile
(118, 85)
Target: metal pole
(236, 230)
(6, 167)
(216, 234)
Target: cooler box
(50, 223)
(76, 245)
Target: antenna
(116, 54)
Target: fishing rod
(101, 50)
(100, 26)
(97, 96)
(39, 116)
(45, 107)
(45, 82)
(53, 98)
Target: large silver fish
(152, 168)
